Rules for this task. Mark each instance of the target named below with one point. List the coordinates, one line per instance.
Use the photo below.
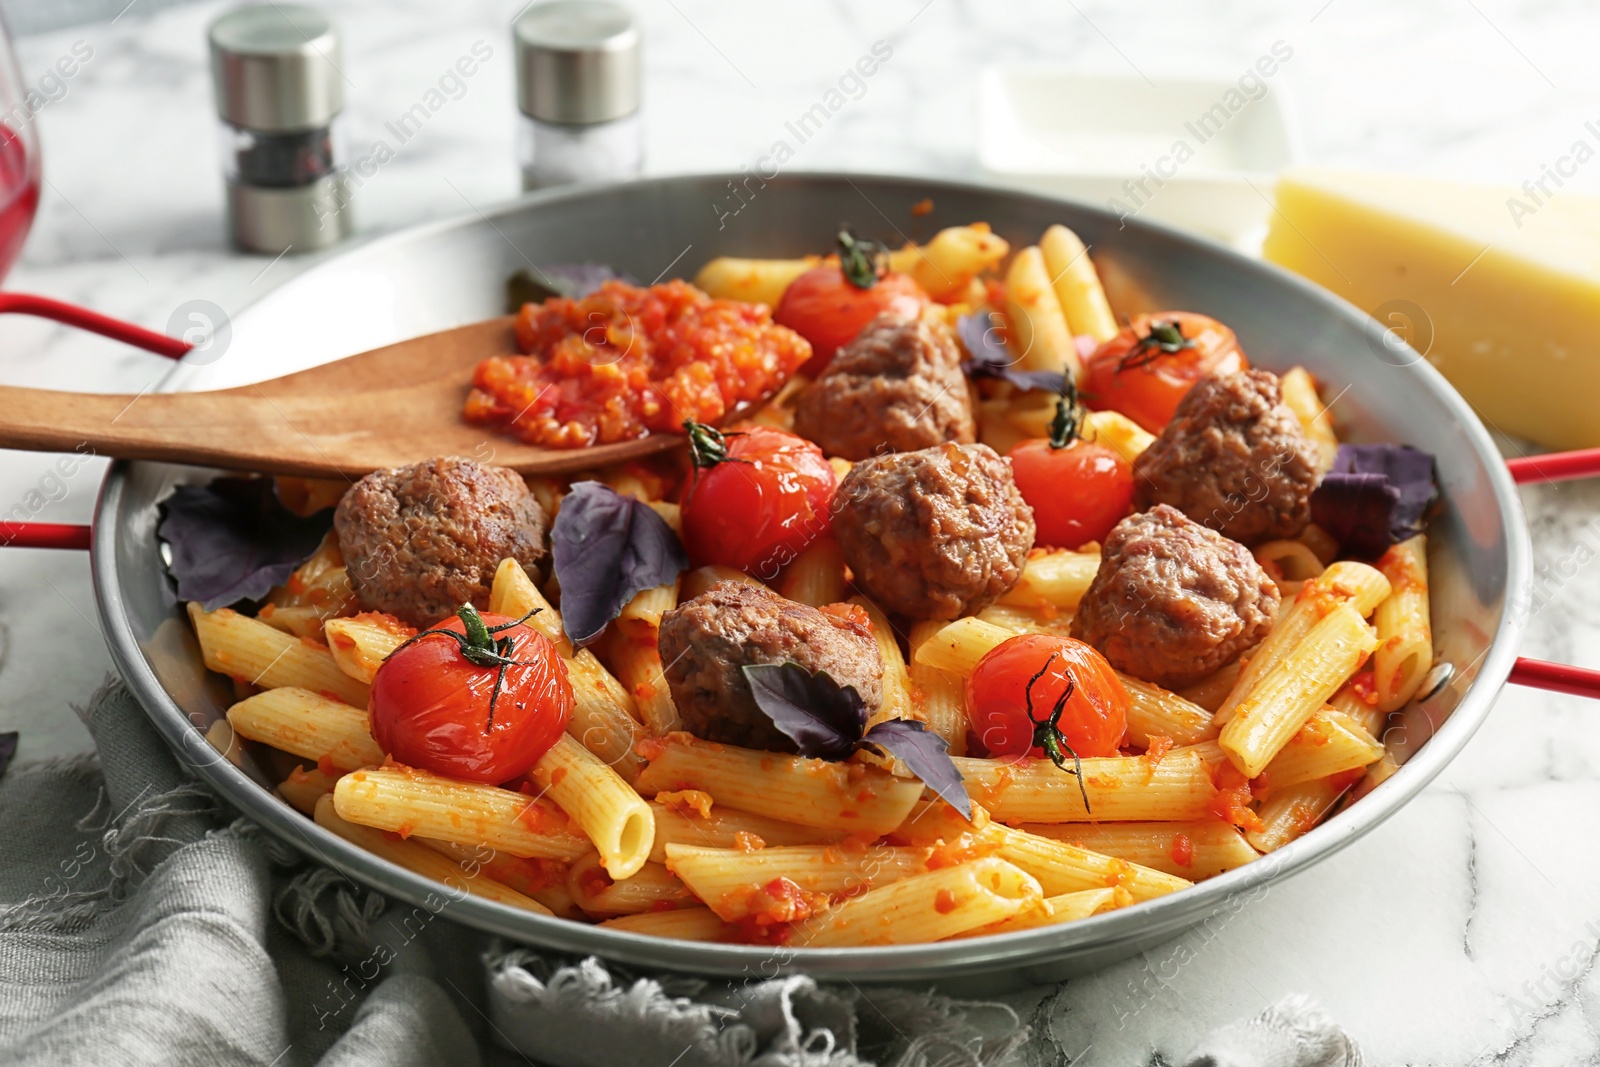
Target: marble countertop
(1463, 931)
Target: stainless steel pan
(443, 274)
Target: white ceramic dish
(1195, 152)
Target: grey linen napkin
(141, 923)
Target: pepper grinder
(578, 93)
(279, 91)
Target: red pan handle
(1555, 467)
(55, 534)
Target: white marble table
(1462, 931)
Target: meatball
(935, 534)
(897, 387)
(422, 540)
(705, 641)
(1173, 600)
(1234, 458)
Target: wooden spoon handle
(205, 429)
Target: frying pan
(440, 275)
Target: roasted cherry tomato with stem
(1044, 695)
(756, 499)
(829, 305)
(1151, 365)
(1078, 489)
(477, 696)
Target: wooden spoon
(385, 408)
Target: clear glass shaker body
(557, 154)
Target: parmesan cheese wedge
(1499, 288)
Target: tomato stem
(480, 647)
(708, 446)
(863, 262)
(1068, 421)
(1164, 339)
(1047, 731)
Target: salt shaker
(578, 93)
(279, 91)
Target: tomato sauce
(625, 361)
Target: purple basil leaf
(928, 757)
(990, 358)
(606, 549)
(572, 280)
(8, 748)
(823, 718)
(1375, 496)
(1357, 509)
(233, 540)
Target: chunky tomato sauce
(624, 361)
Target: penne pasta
(1405, 629)
(604, 806)
(360, 643)
(1211, 691)
(604, 716)
(739, 885)
(1321, 542)
(650, 888)
(637, 665)
(1300, 394)
(305, 724)
(1289, 813)
(1358, 698)
(318, 590)
(1038, 327)
(1054, 579)
(925, 907)
(1116, 430)
(543, 880)
(1155, 712)
(407, 801)
(816, 576)
(1291, 560)
(513, 594)
(220, 735)
(958, 646)
(1280, 701)
(937, 698)
(727, 828)
(640, 617)
(1046, 619)
(1176, 788)
(253, 652)
(307, 496)
(1061, 867)
(679, 924)
(1053, 911)
(1344, 582)
(755, 281)
(423, 861)
(946, 265)
(812, 792)
(896, 683)
(1194, 850)
(1329, 743)
(1077, 284)
(305, 786)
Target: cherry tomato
(827, 309)
(1078, 493)
(1136, 374)
(756, 499)
(430, 705)
(1093, 717)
